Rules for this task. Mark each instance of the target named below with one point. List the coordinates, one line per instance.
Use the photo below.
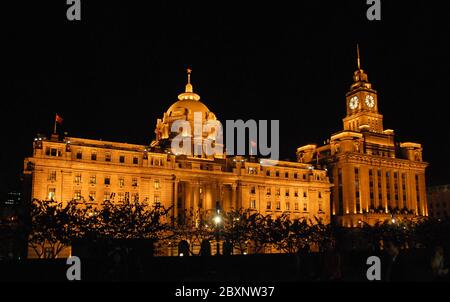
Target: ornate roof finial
(189, 87)
(359, 58)
(188, 93)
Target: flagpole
(54, 126)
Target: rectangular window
(286, 192)
(120, 197)
(135, 160)
(305, 207)
(404, 188)
(52, 176)
(253, 190)
(305, 194)
(252, 204)
(286, 174)
(277, 191)
(295, 175)
(107, 157)
(388, 186)
(320, 207)
(79, 155)
(121, 182)
(77, 195)
(278, 205)
(357, 192)
(397, 204)
(267, 172)
(157, 184)
(320, 194)
(54, 152)
(106, 195)
(51, 193)
(107, 180)
(94, 156)
(296, 206)
(340, 193)
(77, 178)
(157, 199)
(288, 206)
(277, 173)
(134, 182)
(92, 180)
(296, 193)
(269, 205)
(122, 159)
(371, 189)
(269, 191)
(380, 190)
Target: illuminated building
(374, 178)
(96, 170)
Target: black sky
(114, 73)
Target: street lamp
(217, 222)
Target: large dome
(186, 107)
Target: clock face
(370, 101)
(353, 104)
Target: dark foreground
(351, 266)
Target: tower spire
(189, 87)
(188, 93)
(358, 57)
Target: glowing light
(181, 254)
(217, 219)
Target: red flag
(58, 119)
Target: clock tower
(362, 104)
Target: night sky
(112, 74)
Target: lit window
(252, 204)
(296, 206)
(277, 192)
(77, 195)
(134, 182)
(107, 180)
(93, 180)
(120, 196)
(106, 195)
(157, 184)
(278, 205)
(51, 193)
(288, 206)
(77, 178)
(269, 205)
(121, 182)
